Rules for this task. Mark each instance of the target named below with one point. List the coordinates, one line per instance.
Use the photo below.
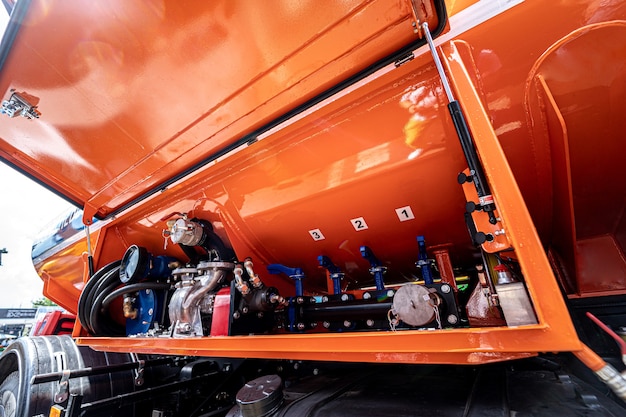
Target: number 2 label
(359, 224)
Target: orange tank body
(300, 131)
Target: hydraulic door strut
(477, 176)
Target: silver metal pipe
(433, 51)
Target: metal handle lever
(294, 273)
(376, 267)
(335, 272)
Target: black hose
(87, 295)
(133, 288)
(98, 294)
(99, 320)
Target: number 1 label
(405, 213)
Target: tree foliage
(42, 302)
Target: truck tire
(30, 356)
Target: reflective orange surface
(137, 99)
(132, 94)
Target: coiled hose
(97, 295)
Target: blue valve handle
(423, 262)
(376, 267)
(335, 272)
(294, 273)
(367, 253)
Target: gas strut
(477, 175)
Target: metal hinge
(19, 105)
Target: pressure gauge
(134, 266)
(138, 264)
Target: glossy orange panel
(131, 94)
(583, 95)
(554, 332)
(350, 170)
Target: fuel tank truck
(323, 208)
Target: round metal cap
(261, 396)
(412, 304)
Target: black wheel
(8, 395)
(30, 356)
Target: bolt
(150, 311)
(344, 297)
(300, 326)
(245, 310)
(316, 371)
(313, 325)
(390, 293)
(326, 324)
(222, 396)
(260, 314)
(370, 323)
(236, 315)
(148, 292)
(499, 232)
(347, 323)
(452, 319)
(445, 288)
(299, 300)
(367, 296)
(324, 298)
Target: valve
(254, 278)
(504, 275)
(296, 274)
(376, 268)
(189, 233)
(335, 272)
(423, 261)
(186, 232)
(240, 284)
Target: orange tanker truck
(323, 208)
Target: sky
(26, 208)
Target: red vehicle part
(54, 322)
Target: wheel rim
(8, 404)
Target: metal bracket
(19, 105)
(139, 372)
(63, 390)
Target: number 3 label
(316, 234)
(359, 224)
